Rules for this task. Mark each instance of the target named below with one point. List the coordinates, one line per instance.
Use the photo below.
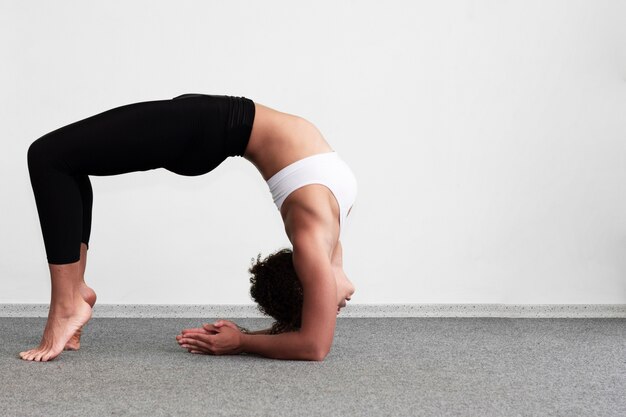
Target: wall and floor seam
(351, 311)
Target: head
(276, 289)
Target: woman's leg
(135, 137)
(190, 136)
(68, 313)
(59, 205)
(88, 294)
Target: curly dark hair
(276, 289)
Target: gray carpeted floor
(377, 366)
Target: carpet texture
(377, 367)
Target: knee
(37, 154)
(34, 153)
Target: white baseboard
(352, 310)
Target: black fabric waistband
(241, 112)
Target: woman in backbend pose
(302, 289)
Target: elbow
(320, 354)
(315, 351)
(318, 358)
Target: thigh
(133, 137)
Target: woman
(191, 135)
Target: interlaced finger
(196, 343)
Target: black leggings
(188, 135)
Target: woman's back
(279, 139)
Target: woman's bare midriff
(279, 139)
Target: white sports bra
(325, 168)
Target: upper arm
(319, 308)
(337, 257)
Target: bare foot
(59, 329)
(89, 296)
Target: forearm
(289, 345)
(265, 331)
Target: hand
(221, 338)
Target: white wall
(488, 138)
